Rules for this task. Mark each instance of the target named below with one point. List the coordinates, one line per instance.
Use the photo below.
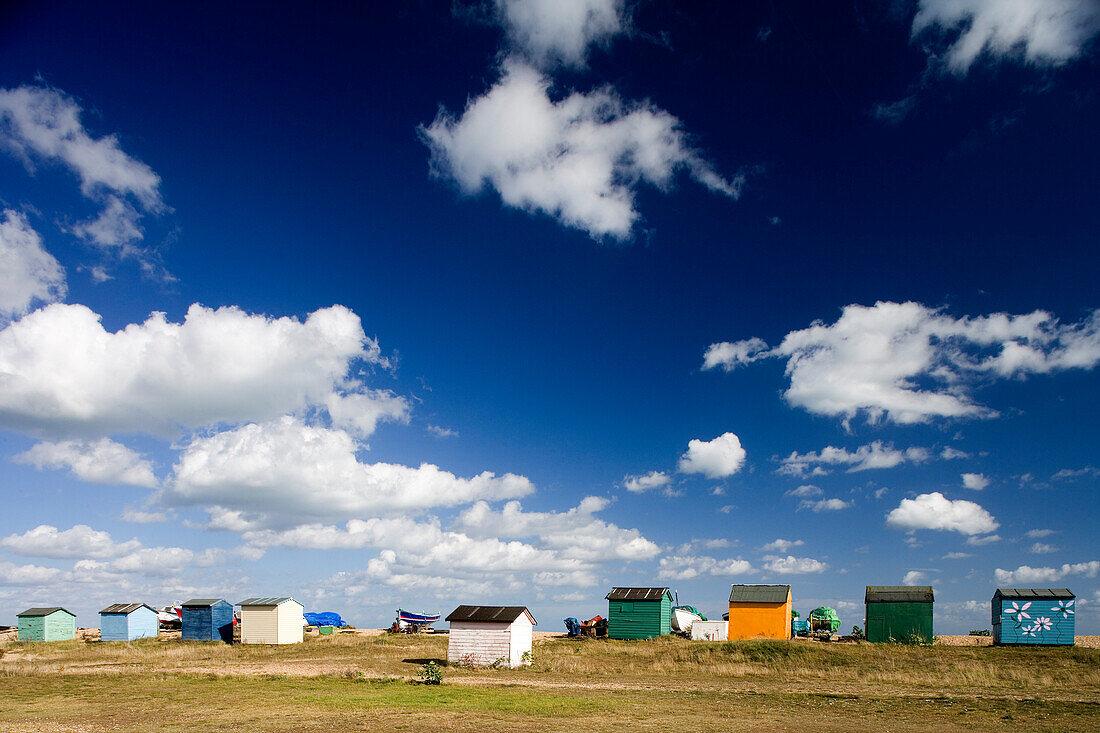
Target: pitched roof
(266, 601)
(637, 594)
(898, 594)
(203, 602)
(499, 614)
(759, 593)
(1034, 593)
(126, 608)
(45, 611)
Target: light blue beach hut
(1033, 616)
(128, 621)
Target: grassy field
(349, 682)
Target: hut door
(876, 629)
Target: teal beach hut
(52, 623)
(128, 621)
(1033, 616)
(207, 619)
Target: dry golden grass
(349, 682)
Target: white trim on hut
(484, 635)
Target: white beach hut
(484, 635)
(270, 620)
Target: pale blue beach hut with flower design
(1033, 616)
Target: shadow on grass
(440, 662)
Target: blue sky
(510, 302)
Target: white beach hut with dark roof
(272, 620)
(484, 635)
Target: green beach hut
(899, 613)
(47, 624)
(639, 613)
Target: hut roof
(45, 611)
(759, 593)
(636, 594)
(203, 602)
(499, 614)
(265, 601)
(126, 608)
(1034, 593)
(898, 594)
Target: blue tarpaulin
(325, 618)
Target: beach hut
(270, 620)
(899, 613)
(639, 613)
(1033, 616)
(760, 612)
(52, 623)
(207, 619)
(128, 621)
(483, 635)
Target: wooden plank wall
(478, 643)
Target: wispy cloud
(28, 273)
(42, 125)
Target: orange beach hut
(760, 612)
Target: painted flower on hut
(1019, 610)
(1027, 630)
(1042, 623)
(1065, 608)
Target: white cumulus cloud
(1026, 574)
(1042, 32)
(717, 458)
(287, 472)
(729, 355)
(28, 273)
(100, 461)
(781, 545)
(12, 574)
(791, 565)
(575, 533)
(81, 541)
(935, 511)
(550, 32)
(913, 577)
(908, 363)
(61, 372)
(975, 481)
(687, 566)
(646, 482)
(579, 159)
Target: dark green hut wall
(638, 619)
(896, 621)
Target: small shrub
(526, 658)
(430, 674)
(981, 632)
(500, 662)
(858, 633)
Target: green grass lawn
(355, 683)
